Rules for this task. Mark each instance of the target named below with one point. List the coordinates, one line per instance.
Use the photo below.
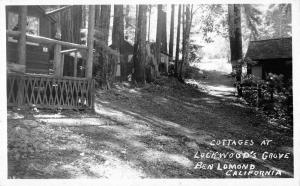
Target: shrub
(273, 95)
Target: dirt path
(150, 132)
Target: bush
(273, 95)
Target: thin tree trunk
(171, 43)
(136, 21)
(177, 41)
(127, 20)
(235, 37)
(139, 57)
(164, 43)
(149, 23)
(183, 42)
(158, 33)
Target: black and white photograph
(149, 91)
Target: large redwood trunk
(139, 56)
(158, 33)
(102, 25)
(71, 24)
(235, 38)
(186, 27)
(118, 37)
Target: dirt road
(159, 131)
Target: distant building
(270, 56)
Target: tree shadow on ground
(155, 132)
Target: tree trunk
(171, 33)
(235, 38)
(71, 24)
(164, 43)
(127, 20)
(118, 37)
(136, 21)
(158, 33)
(139, 56)
(183, 43)
(149, 22)
(177, 41)
(187, 23)
(102, 25)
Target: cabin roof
(280, 48)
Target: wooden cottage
(33, 44)
(270, 56)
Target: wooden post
(62, 64)
(90, 41)
(75, 65)
(22, 39)
(57, 49)
(22, 22)
(57, 60)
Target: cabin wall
(257, 71)
(37, 61)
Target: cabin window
(33, 23)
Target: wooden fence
(43, 91)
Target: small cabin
(37, 24)
(270, 56)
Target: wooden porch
(51, 91)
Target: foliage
(130, 23)
(276, 22)
(252, 18)
(195, 53)
(191, 72)
(210, 19)
(273, 95)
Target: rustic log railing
(50, 92)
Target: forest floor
(149, 132)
